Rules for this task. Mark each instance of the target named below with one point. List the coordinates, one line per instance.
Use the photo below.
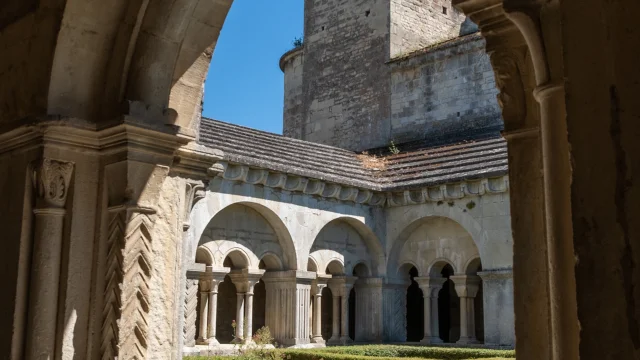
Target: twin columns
(245, 282)
(467, 288)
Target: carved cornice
(51, 180)
(370, 197)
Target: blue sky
(245, 85)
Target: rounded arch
(396, 258)
(402, 272)
(284, 239)
(236, 259)
(335, 267)
(204, 256)
(473, 266)
(312, 265)
(361, 270)
(370, 239)
(436, 267)
(270, 261)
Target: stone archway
(415, 305)
(448, 304)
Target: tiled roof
(417, 168)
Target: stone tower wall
(346, 88)
(349, 89)
(292, 64)
(445, 93)
(416, 24)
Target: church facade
(382, 214)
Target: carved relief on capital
(51, 180)
(508, 67)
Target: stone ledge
(294, 183)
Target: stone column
(466, 287)
(217, 276)
(430, 288)
(497, 290)
(251, 283)
(239, 338)
(244, 280)
(203, 333)
(317, 314)
(346, 290)
(336, 284)
(51, 179)
(335, 334)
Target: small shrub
(393, 148)
(297, 42)
(471, 205)
(263, 336)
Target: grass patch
(380, 352)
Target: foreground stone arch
(585, 104)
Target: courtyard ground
(372, 352)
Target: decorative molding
(190, 312)
(52, 178)
(371, 197)
(128, 272)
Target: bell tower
(338, 84)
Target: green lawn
(374, 352)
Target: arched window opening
(352, 314)
(226, 311)
(259, 305)
(327, 313)
(448, 308)
(415, 308)
(478, 302)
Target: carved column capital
(51, 180)
(194, 192)
(466, 285)
(430, 286)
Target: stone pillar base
(213, 342)
(317, 340)
(467, 341)
(202, 342)
(345, 340)
(334, 341)
(431, 340)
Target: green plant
(263, 336)
(393, 148)
(297, 42)
(471, 205)
(373, 352)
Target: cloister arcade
(244, 271)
